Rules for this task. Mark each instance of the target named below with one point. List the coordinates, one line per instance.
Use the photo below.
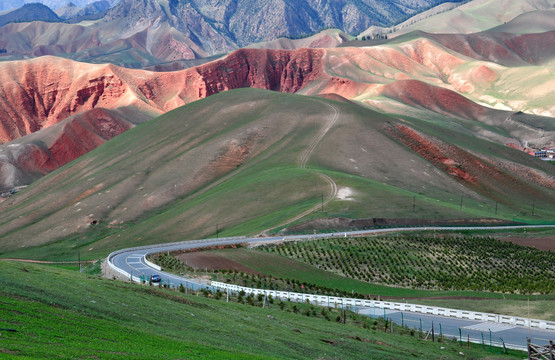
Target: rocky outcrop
(37, 94)
(284, 71)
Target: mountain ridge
(201, 28)
(28, 13)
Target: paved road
(477, 331)
(131, 262)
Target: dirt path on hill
(303, 160)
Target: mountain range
(7, 5)
(92, 11)
(141, 33)
(252, 159)
(29, 12)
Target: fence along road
(132, 264)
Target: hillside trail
(303, 160)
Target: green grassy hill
(249, 160)
(58, 313)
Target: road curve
(132, 261)
(132, 264)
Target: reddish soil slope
(471, 171)
(502, 48)
(35, 155)
(41, 92)
(444, 101)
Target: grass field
(67, 314)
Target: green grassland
(170, 179)
(58, 313)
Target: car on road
(155, 278)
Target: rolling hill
(250, 160)
(475, 16)
(455, 109)
(487, 79)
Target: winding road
(132, 264)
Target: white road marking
(489, 326)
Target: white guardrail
(117, 269)
(334, 301)
(151, 264)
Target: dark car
(155, 278)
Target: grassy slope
(170, 179)
(88, 316)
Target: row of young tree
(454, 263)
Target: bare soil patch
(202, 260)
(541, 243)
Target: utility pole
(414, 204)
(217, 231)
(496, 208)
(79, 258)
(461, 201)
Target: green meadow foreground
(59, 313)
